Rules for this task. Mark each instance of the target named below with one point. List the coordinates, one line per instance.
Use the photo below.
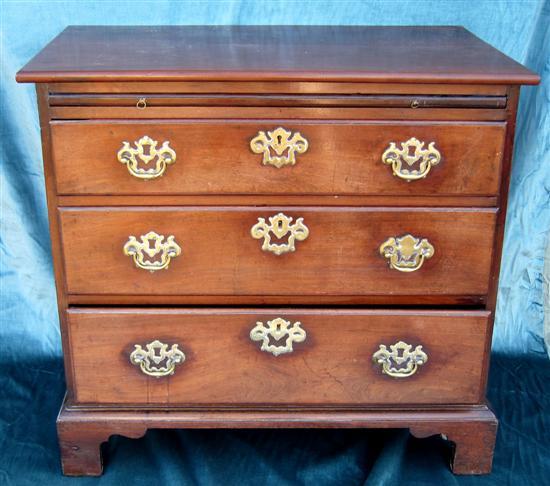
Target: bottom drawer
(259, 357)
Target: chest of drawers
(276, 227)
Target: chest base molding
(471, 430)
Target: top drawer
(278, 157)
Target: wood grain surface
(268, 53)
(272, 87)
(471, 430)
(220, 257)
(223, 366)
(350, 91)
(214, 157)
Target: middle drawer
(273, 251)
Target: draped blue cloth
(31, 379)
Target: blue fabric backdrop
(29, 332)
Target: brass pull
(276, 330)
(156, 359)
(400, 361)
(279, 147)
(280, 225)
(406, 253)
(152, 252)
(397, 158)
(141, 104)
(145, 161)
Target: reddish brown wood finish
(224, 367)
(473, 441)
(277, 87)
(55, 233)
(273, 53)
(219, 256)
(513, 96)
(255, 200)
(214, 157)
(348, 84)
(280, 100)
(472, 430)
(283, 113)
(424, 301)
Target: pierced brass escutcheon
(406, 253)
(276, 330)
(425, 158)
(152, 245)
(146, 153)
(400, 361)
(156, 359)
(280, 225)
(279, 147)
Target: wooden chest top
(273, 53)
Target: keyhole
(279, 139)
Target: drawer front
(277, 251)
(236, 357)
(323, 158)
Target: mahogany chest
(276, 227)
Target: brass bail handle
(278, 335)
(145, 159)
(413, 160)
(152, 245)
(406, 253)
(400, 360)
(157, 359)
